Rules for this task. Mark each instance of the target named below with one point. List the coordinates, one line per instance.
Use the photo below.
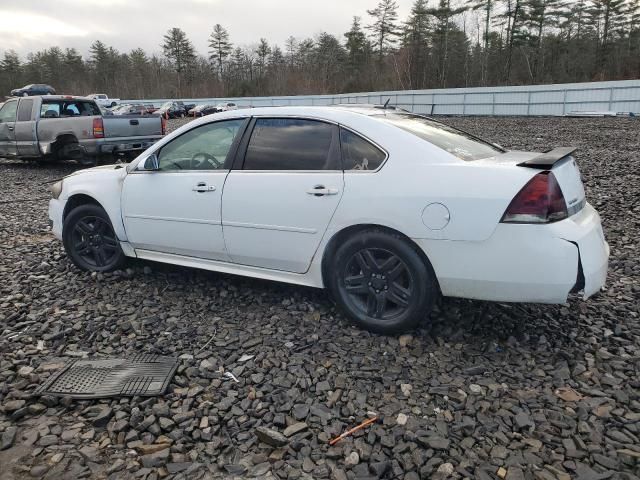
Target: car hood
(101, 170)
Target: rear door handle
(321, 191)
(10, 127)
(203, 187)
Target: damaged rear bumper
(525, 263)
(585, 232)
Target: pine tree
(11, 68)
(219, 47)
(416, 37)
(444, 14)
(179, 52)
(487, 6)
(358, 48)
(384, 29)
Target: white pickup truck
(103, 100)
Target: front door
(279, 200)
(8, 114)
(176, 209)
(25, 129)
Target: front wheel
(90, 241)
(380, 280)
(25, 94)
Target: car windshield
(166, 105)
(461, 144)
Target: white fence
(547, 100)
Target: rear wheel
(381, 282)
(90, 241)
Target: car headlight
(56, 189)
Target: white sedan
(386, 209)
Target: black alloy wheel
(382, 282)
(378, 283)
(90, 240)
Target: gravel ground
(484, 391)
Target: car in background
(386, 209)
(202, 110)
(33, 89)
(136, 109)
(227, 106)
(172, 110)
(103, 100)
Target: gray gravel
(485, 391)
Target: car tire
(113, 104)
(90, 240)
(25, 94)
(380, 280)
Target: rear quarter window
(359, 154)
(461, 144)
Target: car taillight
(539, 201)
(163, 121)
(98, 128)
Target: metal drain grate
(144, 375)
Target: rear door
(8, 114)
(25, 129)
(280, 197)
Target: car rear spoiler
(548, 159)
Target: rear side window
(68, 108)
(292, 144)
(24, 110)
(8, 112)
(358, 153)
(456, 142)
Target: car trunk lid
(560, 161)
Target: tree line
(441, 44)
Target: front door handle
(10, 127)
(321, 190)
(203, 187)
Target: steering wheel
(208, 162)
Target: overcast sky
(30, 25)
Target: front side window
(203, 148)
(358, 153)
(292, 144)
(8, 112)
(456, 142)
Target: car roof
(62, 97)
(330, 112)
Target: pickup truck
(56, 127)
(103, 100)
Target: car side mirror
(152, 163)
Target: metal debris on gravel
(483, 390)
